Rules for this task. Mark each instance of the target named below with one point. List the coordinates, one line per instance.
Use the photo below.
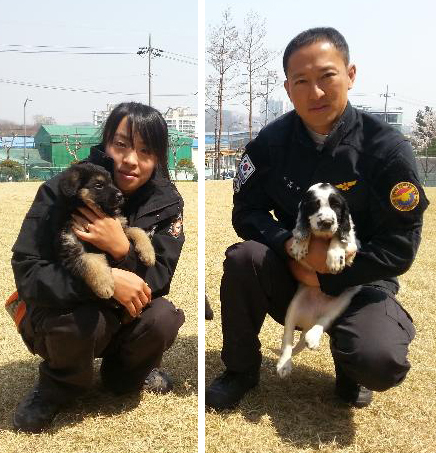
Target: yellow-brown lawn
(301, 414)
(99, 422)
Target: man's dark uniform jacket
(368, 160)
(42, 281)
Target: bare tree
(254, 57)
(223, 51)
(424, 140)
(72, 151)
(8, 146)
(175, 142)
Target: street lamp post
(25, 132)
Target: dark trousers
(69, 341)
(369, 341)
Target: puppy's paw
(313, 337)
(148, 257)
(350, 254)
(284, 368)
(143, 245)
(299, 249)
(104, 289)
(335, 260)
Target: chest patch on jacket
(404, 196)
(176, 227)
(346, 185)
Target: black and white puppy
(323, 212)
(89, 185)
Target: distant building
(17, 142)
(100, 116)
(181, 119)
(394, 117)
(51, 142)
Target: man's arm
(251, 215)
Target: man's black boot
(350, 392)
(36, 411)
(227, 390)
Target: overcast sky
(105, 26)
(391, 42)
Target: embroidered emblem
(176, 227)
(346, 185)
(246, 169)
(236, 184)
(404, 196)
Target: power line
(83, 90)
(64, 52)
(17, 48)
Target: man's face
(317, 84)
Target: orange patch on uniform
(346, 185)
(404, 196)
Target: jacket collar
(342, 127)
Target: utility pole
(152, 52)
(386, 96)
(272, 74)
(24, 150)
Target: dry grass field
(99, 422)
(301, 414)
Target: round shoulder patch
(404, 196)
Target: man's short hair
(307, 37)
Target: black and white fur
(83, 185)
(322, 212)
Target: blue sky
(107, 26)
(391, 42)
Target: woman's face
(133, 162)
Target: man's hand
(131, 291)
(302, 273)
(102, 231)
(317, 253)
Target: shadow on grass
(17, 378)
(302, 408)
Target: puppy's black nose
(325, 224)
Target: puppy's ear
(344, 226)
(69, 182)
(302, 226)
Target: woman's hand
(131, 291)
(102, 231)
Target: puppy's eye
(98, 185)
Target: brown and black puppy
(89, 185)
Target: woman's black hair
(145, 121)
(313, 35)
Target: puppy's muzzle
(325, 225)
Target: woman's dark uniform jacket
(367, 160)
(42, 281)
